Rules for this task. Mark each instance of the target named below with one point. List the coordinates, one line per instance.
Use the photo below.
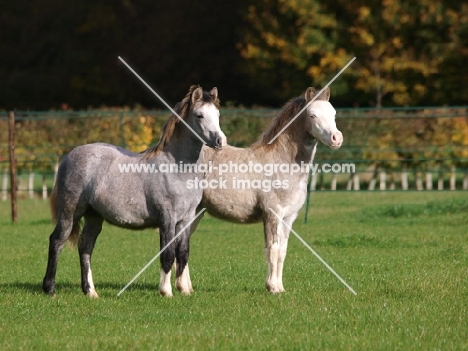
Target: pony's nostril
(219, 141)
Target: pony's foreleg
(166, 234)
(91, 230)
(272, 226)
(56, 242)
(283, 248)
(183, 283)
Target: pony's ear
(310, 93)
(214, 93)
(326, 94)
(197, 95)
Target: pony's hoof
(184, 290)
(92, 295)
(273, 289)
(49, 288)
(165, 293)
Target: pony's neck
(294, 145)
(183, 145)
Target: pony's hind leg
(91, 230)
(63, 229)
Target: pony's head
(204, 116)
(320, 119)
(200, 110)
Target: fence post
(333, 182)
(404, 179)
(44, 187)
(383, 177)
(428, 181)
(313, 182)
(4, 185)
(56, 167)
(356, 181)
(31, 185)
(440, 180)
(419, 183)
(453, 178)
(349, 184)
(11, 142)
(392, 181)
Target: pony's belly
(236, 212)
(132, 217)
(133, 223)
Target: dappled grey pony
(282, 192)
(90, 184)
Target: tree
(401, 46)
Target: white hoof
(272, 287)
(165, 293)
(93, 294)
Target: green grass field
(405, 254)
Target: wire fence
(421, 148)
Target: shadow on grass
(72, 287)
(109, 289)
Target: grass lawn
(404, 253)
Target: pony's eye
(200, 116)
(313, 116)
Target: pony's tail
(76, 229)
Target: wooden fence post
(11, 142)
(31, 185)
(428, 181)
(4, 185)
(356, 181)
(392, 181)
(313, 182)
(419, 183)
(333, 182)
(44, 187)
(55, 172)
(382, 183)
(440, 180)
(453, 178)
(404, 179)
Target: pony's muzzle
(219, 141)
(336, 139)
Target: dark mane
(289, 110)
(183, 109)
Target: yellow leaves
(460, 136)
(397, 43)
(275, 41)
(363, 12)
(364, 36)
(420, 89)
(138, 136)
